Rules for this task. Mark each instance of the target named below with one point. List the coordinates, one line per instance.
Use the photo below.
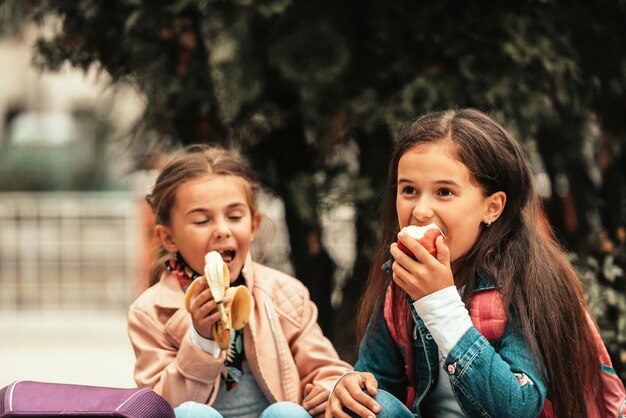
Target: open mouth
(228, 255)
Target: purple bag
(38, 399)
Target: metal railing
(67, 250)
(77, 251)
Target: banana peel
(217, 275)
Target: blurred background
(94, 96)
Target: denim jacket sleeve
(379, 355)
(506, 383)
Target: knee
(390, 406)
(285, 410)
(195, 410)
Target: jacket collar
(484, 282)
(169, 295)
(387, 266)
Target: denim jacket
(498, 379)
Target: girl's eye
(446, 192)
(200, 221)
(235, 217)
(409, 190)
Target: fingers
(310, 391)
(334, 408)
(416, 248)
(200, 294)
(308, 396)
(318, 404)
(408, 281)
(318, 411)
(202, 302)
(358, 402)
(370, 383)
(350, 393)
(443, 252)
(421, 279)
(203, 309)
(210, 307)
(315, 399)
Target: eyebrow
(235, 205)
(444, 182)
(448, 183)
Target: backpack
(38, 399)
(489, 317)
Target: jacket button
(451, 368)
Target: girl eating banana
(211, 352)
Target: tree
(292, 84)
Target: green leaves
(264, 73)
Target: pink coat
(285, 348)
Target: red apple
(425, 235)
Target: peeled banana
(217, 275)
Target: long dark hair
(539, 286)
(192, 162)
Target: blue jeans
(390, 406)
(276, 410)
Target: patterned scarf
(182, 271)
(233, 366)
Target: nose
(422, 211)
(222, 229)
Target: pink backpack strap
(489, 317)
(388, 314)
(611, 399)
(488, 314)
(402, 341)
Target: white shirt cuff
(204, 344)
(445, 316)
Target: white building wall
(27, 87)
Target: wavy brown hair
(539, 286)
(192, 162)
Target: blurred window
(45, 151)
(43, 128)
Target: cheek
(195, 258)
(404, 212)
(462, 241)
(244, 240)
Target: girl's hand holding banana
(215, 307)
(201, 305)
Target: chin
(235, 271)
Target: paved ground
(67, 347)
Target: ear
(257, 218)
(494, 205)
(164, 235)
